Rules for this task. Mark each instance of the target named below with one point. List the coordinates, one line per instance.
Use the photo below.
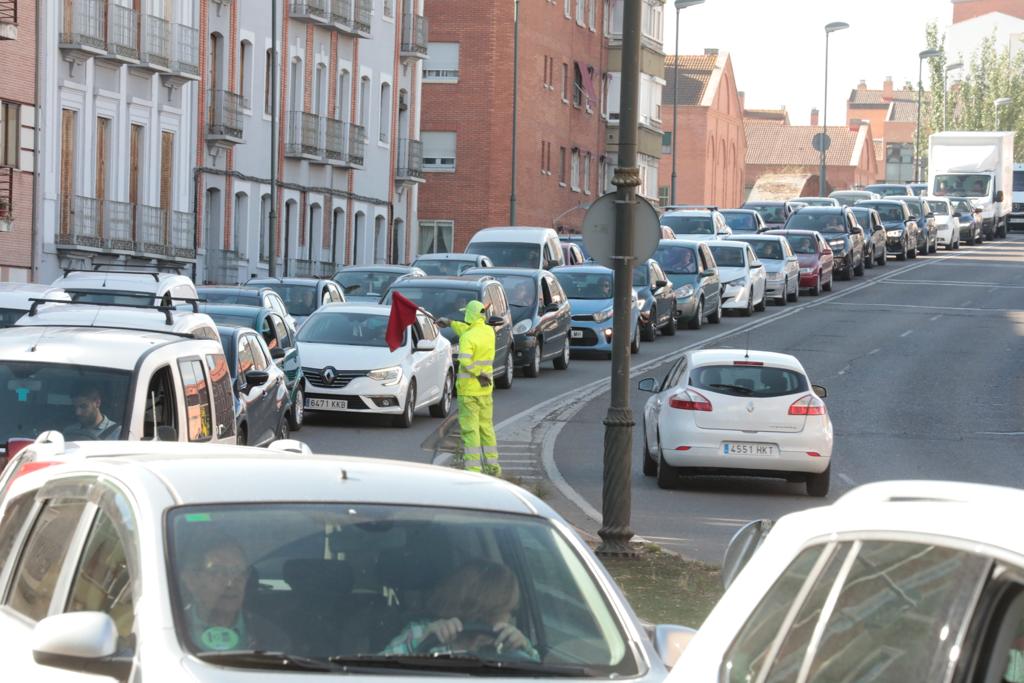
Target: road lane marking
(873, 351)
(935, 317)
(845, 478)
(928, 308)
(951, 283)
(907, 333)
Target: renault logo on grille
(329, 375)
(750, 407)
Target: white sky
(778, 46)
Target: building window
(10, 123)
(438, 151)
(435, 237)
(899, 162)
(265, 228)
(385, 113)
(575, 171)
(245, 73)
(577, 86)
(589, 89)
(666, 142)
(342, 110)
(581, 12)
(364, 100)
(268, 80)
(663, 195)
(565, 82)
(295, 84)
(241, 216)
(586, 173)
(568, 9)
(592, 14)
(442, 63)
(561, 166)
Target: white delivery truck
(978, 166)
(1017, 212)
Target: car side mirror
(166, 433)
(708, 273)
(670, 641)
(977, 210)
(426, 345)
(742, 547)
(957, 214)
(913, 218)
(496, 321)
(550, 308)
(84, 642)
(277, 353)
(857, 230)
(819, 391)
(756, 266)
(931, 214)
(999, 196)
(661, 283)
(648, 384)
(257, 378)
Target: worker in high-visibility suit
(475, 386)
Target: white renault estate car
(898, 581)
(145, 566)
(348, 366)
(730, 411)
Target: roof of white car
(151, 319)
(95, 347)
(355, 307)
(17, 294)
(734, 244)
(125, 282)
(512, 234)
(716, 356)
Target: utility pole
(272, 228)
(926, 54)
(829, 29)
(515, 108)
(680, 5)
(616, 495)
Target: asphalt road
(920, 359)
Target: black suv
(839, 227)
(901, 231)
(443, 297)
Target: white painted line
(845, 478)
(873, 351)
(907, 333)
(968, 302)
(952, 283)
(927, 308)
(843, 371)
(935, 317)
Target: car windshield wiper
(265, 659)
(735, 387)
(461, 662)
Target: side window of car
(336, 295)
(268, 332)
(260, 358)
(161, 414)
(283, 337)
(13, 522)
(673, 375)
(427, 328)
(246, 362)
(222, 393)
(487, 299)
(103, 581)
(45, 550)
(198, 416)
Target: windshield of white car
(9, 316)
(740, 220)
(441, 302)
(689, 225)
(444, 266)
(346, 329)
(84, 403)
(508, 254)
(365, 282)
(770, 250)
(962, 185)
(822, 222)
(588, 286)
(728, 257)
(753, 381)
(361, 582)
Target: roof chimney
(887, 86)
(863, 85)
(711, 51)
(855, 124)
(814, 116)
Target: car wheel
(405, 419)
(935, 246)
(505, 382)
(668, 476)
(912, 253)
(859, 268)
(562, 362)
(697, 321)
(972, 240)
(785, 293)
(716, 317)
(816, 289)
(828, 287)
(884, 258)
(634, 343)
(749, 310)
(444, 406)
(650, 464)
(869, 259)
(848, 271)
(956, 245)
(763, 303)
(817, 484)
(283, 431)
(669, 330)
(795, 295)
(533, 369)
(649, 330)
(242, 436)
(297, 415)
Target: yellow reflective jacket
(476, 352)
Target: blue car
(692, 270)
(590, 289)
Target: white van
(122, 287)
(516, 247)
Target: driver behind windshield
(474, 609)
(91, 424)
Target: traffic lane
(858, 355)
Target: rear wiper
(734, 387)
(462, 663)
(265, 659)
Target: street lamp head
(954, 66)
(683, 4)
(836, 26)
(928, 54)
(1002, 102)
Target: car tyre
(762, 304)
(912, 253)
(242, 436)
(956, 245)
(972, 240)
(650, 464)
(533, 369)
(409, 411)
(668, 476)
(749, 310)
(506, 380)
(649, 331)
(816, 289)
(669, 330)
(859, 269)
(444, 406)
(634, 343)
(795, 296)
(716, 317)
(562, 362)
(828, 287)
(884, 258)
(283, 430)
(785, 293)
(297, 415)
(697, 321)
(817, 484)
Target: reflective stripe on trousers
(479, 442)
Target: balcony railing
(363, 17)
(6, 196)
(122, 32)
(303, 135)
(410, 160)
(310, 10)
(155, 43)
(356, 144)
(83, 28)
(183, 235)
(224, 117)
(414, 36)
(80, 225)
(121, 227)
(307, 268)
(184, 50)
(341, 15)
(336, 140)
(151, 229)
(116, 226)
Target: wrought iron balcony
(122, 34)
(302, 135)
(315, 11)
(184, 52)
(224, 116)
(363, 17)
(183, 235)
(336, 141)
(109, 226)
(307, 268)
(151, 230)
(6, 197)
(342, 15)
(356, 144)
(155, 43)
(80, 223)
(414, 36)
(9, 19)
(410, 160)
(116, 226)
(82, 33)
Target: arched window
(315, 229)
(265, 228)
(384, 123)
(320, 90)
(216, 64)
(398, 242)
(364, 101)
(245, 72)
(268, 81)
(343, 109)
(295, 83)
(338, 237)
(213, 220)
(291, 229)
(359, 239)
(380, 240)
(241, 227)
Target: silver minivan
(518, 247)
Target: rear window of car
(740, 220)
(748, 381)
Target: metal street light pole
(829, 29)
(616, 494)
(923, 55)
(515, 110)
(680, 5)
(945, 90)
(998, 104)
(272, 218)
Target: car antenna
(746, 352)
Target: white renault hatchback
(145, 566)
(744, 281)
(348, 366)
(729, 411)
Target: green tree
(988, 74)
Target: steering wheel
(470, 629)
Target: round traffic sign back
(599, 229)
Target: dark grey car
(840, 229)
(874, 235)
(921, 212)
(657, 299)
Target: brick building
(712, 144)
(893, 116)
(17, 137)
(467, 117)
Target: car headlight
(386, 376)
(684, 292)
(601, 316)
(837, 244)
(522, 327)
(806, 271)
(738, 282)
(893, 233)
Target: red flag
(403, 314)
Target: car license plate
(739, 448)
(577, 334)
(326, 404)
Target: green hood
(474, 312)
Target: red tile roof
(858, 96)
(904, 110)
(767, 115)
(771, 144)
(694, 75)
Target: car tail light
(756, 363)
(690, 400)
(807, 405)
(814, 454)
(682, 448)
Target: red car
(815, 257)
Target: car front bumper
(945, 235)
(736, 297)
(361, 395)
(686, 307)
(775, 289)
(525, 350)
